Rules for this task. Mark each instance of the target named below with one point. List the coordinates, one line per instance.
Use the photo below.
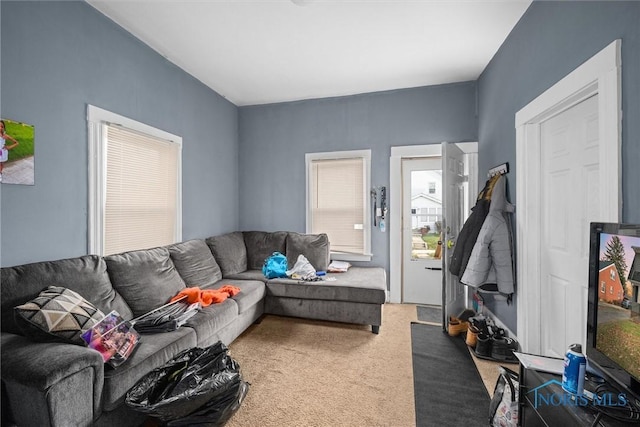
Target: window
(134, 184)
(338, 201)
(603, 287)
(432, 188)
(611, 290)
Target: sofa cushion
(146, 279)
(230, 252)
(152, 352)
(251, 292)
(261, 245)
(315, 247)
(57, 314)
(87, 275)
(211, 319)
(359, 284)
(256, 275)
(195, 263)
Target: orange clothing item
(207, 296)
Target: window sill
(341, 256)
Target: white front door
(570, 175)
(421, 229)
(456, 210)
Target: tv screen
(613, 328)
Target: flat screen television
(613, 319)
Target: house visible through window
(135, 199)
(338, 201)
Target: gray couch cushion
(152, 352)
(87, 275)
(195, 263)
(251, 292)
(315, 247)
(211, 319)
(146, 279)
(230, 252)
(248, 275)
(359, 284)
(261, 245)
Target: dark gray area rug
(448, 389)
(429, 314)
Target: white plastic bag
(302, 268)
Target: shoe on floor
(457, 326)
(483, 346)
(466, 315)
(502, 349)
(472, 336)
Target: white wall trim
(347, 154)
(598, 75)
(97, 120)
(395, 205)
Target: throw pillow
(57, 314)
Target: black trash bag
(191, 380)
(217, 412)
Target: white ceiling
(265, 51)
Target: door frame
(418, 265)
(395, 203)
(599, 75)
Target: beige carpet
(313, 373)
(310, 373)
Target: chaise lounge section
(61, 384)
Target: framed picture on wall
(16, 152)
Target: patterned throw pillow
(57, 314)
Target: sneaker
(483, 346)
(466, 315)
(502, 349)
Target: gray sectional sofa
(61, 384)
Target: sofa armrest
(51, 383)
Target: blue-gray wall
(274, 139)
(551, 40)
(57, 57)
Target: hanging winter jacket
(471, 228)
(491, 257)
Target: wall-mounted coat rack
(499, 170)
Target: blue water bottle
(575, 365)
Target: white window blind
(338, 201)
(141, 200)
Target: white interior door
(421, 231)
(601, 75)
(569, 202)
(456, 208)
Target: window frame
(98, 121)
(366, 194)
